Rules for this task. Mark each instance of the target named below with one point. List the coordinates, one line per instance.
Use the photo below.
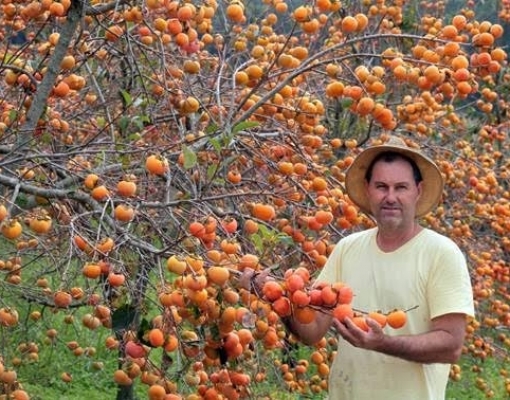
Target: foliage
(144, 143)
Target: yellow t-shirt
(429, 272)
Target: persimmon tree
(152, 151)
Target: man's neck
(390, 240)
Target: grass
(43, 381)
(480, 380)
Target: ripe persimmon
(300, 298)
(3, 212)
(229, 224)
(335, 89)
(171, 343)
(245, 336)
(156, 392)
(319, 184)
(329, 296)
(396, 319)
(156, 165)
(62, 299)
(100, 193)
(234, 176)
(360, 322)
(11, 229)
(91, 271)
(305, 315)
(302, 13)
(197, 229)
(342, 311)
(116, 279)
(316, 297)
(349, 24)
(345, 294)
(156, 337)
(105, 245)
(365, 106)
(20, 394)
(235, 12)
(218, 275)
(186, 12)
(324, 217)
(8, 316)
(174, 26)
(135, 350)
(272, 290)
(40, 224)
(190, 105)
(121, 378)
(248, 261)
(264, 212)
(61, 89)
(91, 181)
(379, 317)
(294, 282)
(124, 213)
(126, 188)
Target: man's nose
(391, 195)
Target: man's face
(393, 193)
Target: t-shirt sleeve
(449, 290)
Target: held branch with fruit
(296, 295)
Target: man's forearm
(432, 347)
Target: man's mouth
(390, 209)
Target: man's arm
(442, 344)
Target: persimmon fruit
(156, 337)
(396, 319)
(342, 311)
(156, 165)
(126, 188)
(264, 212)
(11, 229)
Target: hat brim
(432, 184)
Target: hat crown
(396, 141)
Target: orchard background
(152, 150)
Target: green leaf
(126, 97)
(257, 242)
(123, 124)
(140, 121)
(21, 200)
(211, 128)
(346, 103)
(244, 125)
(211, 170)
(216, 144)
(123, 317)
(13, 115)
(190, 158)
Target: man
(397, 265)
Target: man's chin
(389, 219)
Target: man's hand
(370, 340)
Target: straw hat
(432, 185)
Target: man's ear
(420, 188)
